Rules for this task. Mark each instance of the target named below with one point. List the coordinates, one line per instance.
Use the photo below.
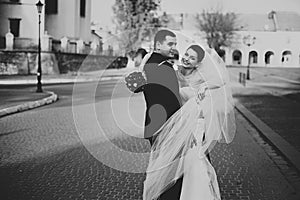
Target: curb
(274, 138)
(30, 105)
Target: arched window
(286, 57)
(253, 57)
(222, 54)
(236, 57)
(269, 55)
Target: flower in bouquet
(135, 81)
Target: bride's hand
(194, 142)
(201, 93)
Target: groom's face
(167, 46)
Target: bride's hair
(200, 52)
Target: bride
(183, 142)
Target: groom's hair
(161, 35)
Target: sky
(102, 9)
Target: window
(269, 57)
(51, 6)
(14, 25)
(82, 8)
(286, 57)
(237, 57)
(253, 57)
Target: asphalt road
(42, 155)
(45, 154)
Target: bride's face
(190, 59)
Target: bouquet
(135, 81)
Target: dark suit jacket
(161, 93)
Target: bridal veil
(182, 130)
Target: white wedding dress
(179, 149)
(199, 177)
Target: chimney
(272, 15)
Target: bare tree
(219, 28)
(135, 20)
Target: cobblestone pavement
(273, 100)
(43, 156)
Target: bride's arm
(211, 83)
(185, 94)
(184, 91)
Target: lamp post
(249, 41)
(39, 6)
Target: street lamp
(249, 41)
(39, 6)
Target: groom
(161, 93)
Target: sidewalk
(268, 109)
(65, 78)
(14, 99)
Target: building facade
(68, 18)
(20, 17)
(269, 49)
(60, 19)
(276, 38)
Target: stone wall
(25, 62)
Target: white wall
(277, 42)
(28, 14)
(85, 23)
(67, 22)
(62, 23)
